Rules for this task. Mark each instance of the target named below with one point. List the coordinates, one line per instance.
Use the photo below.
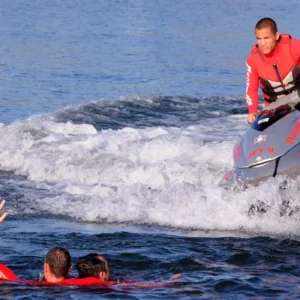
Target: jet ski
(270, 146)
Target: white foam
(166, 176)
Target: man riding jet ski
(273, 64)
(270, 145)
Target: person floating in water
(5, 214)
(93, 265)
(57, 265)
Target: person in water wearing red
(5, 214)
(57, 265)
(273, 64)
(93, 265)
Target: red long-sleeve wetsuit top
(277, 73)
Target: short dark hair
(266, 22)
(59, 261)
(90, 266)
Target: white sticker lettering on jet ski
(261, 138)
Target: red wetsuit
(277, 73)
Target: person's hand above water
(251, 117)
(175, 276)
(5, 214)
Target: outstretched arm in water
(5, 214)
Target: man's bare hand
(175, 276)
(251, 117)
(5, 214)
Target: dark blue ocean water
(118, 121)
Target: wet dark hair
(265, 23)
(90, 266)
(59, 261)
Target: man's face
(266, 39)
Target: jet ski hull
(270, 147)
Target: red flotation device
(7, 274)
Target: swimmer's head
(93, 265)
(57, 264)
